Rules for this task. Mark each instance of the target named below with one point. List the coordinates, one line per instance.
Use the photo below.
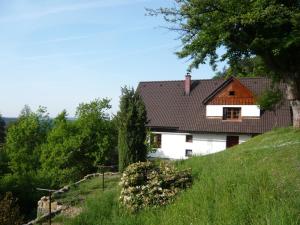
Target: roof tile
(168, 107)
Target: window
(156, 140)
(188, 152)
(231, 113)
(189, 138)
(232, 93)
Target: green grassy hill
(257, 182)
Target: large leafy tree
(98, 133)
(24, 139)
(132, 119)
(75, 148)
(59, 162)
(266, 28)
(23, 146)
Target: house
(198, 117)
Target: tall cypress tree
(132, 119)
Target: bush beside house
(146, 184)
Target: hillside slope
(257, 182)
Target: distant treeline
(9, 120)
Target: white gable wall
(173, 145)
(247, 110)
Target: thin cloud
(37, 57)
(134, 53)
(105, 59)
(69, 8)
(64, 39)
(81, 37)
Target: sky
(59, 53)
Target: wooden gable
(233, 93)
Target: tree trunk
(275, 116)
(293, 95)
(296, 113)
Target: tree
(3, 162)
(75, 148)
(2, 130)
(24, 139)
(132, 119)
(22, 150)
(269, 29)
(270, 100)
(59, 162)
(23, 187)
(3, 156)
(99, 135)
(246, 67)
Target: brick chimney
(187, 84)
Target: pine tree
(132, 119)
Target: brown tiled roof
(168, 107)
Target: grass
(90, 188)
(257, 182)
(78, 195)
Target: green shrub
(145, 184)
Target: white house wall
(246, 110)
(173, 145)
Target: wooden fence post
(50, 193)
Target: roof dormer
(231, 101)
(231, 92)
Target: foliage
(2, 130)
(98, 132)
(59, 160)
(3, 161)
(270, 99)
(246, 67)
(24, 139)
(21, 152)
(269, 29)
(3, 155)
(75, 148)
(9, 211)
(254, 183)
(132, 119)
(24, 187)
(146, 184)
(41, 152)
(150, 144)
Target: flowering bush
(146, 184)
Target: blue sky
(59, 53)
